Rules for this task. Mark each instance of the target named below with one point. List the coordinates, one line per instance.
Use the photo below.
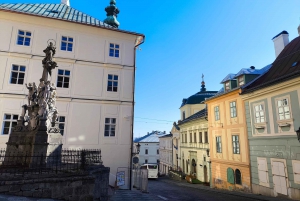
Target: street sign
(135, 160)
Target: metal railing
(66, 161)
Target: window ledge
(285, 123)
(260, 125)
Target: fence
(66, 161)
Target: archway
(205, 174)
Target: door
(205, 174)
(279, 177)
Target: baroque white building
(94, 79)
(165, 153)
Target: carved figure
(48, 63)
(47, 91)
(24, 110)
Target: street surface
(164, 189)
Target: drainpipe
(133, 92)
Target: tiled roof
(167, 135)
(285, 67)
(56, 11)
(248, 71)
(197, 115)
(151, 137)
(228, 77)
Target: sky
(185, 39)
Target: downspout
(133, 92)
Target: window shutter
(262, 170)
(296, 170)
(230, 175)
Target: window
(283, 109)
(230, 175)
(200, 137)
(114, 50)
(206, 137)
(238, 177)
(227, 86)
(183, 115)
(219, 144)
(17, 74)
(24, 38)
(232, 109)
(235, 144)
(110, 127)
(10, 121)
(182, 138)
(61, 123)
(66, 43)
(157, 151)
(185, 138)
(157, 161)
(259, 113)
(146, 161)
(241, 80)
(217, 113)
(63, 78)
(146, 151)
(191, 139)
(195, 137)
(112, 83)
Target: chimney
(280, 41)
(67, 2)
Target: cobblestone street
(166, 189)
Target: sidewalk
(17, 198)
(220, 191)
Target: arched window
(238, 176)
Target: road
(164, 189)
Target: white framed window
(183, 115)
(67, 43)
(114, 50)
(146, 151)
(9, 121)
(63, 78)
(296, 171)
(217, 113)
(157, 151)
(235, 144)
(283, 108)
(219, 144)
(259, 113)
(241, 80)
(233, 109)
(17, 74)
(110, 127)
(112, 82)
(24, 38)
(205, 137)
(61, 120)
(227, 86)
(200, 137)
(263, 174)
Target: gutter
(138, 43)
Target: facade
(176, 147)
(165, 153)
(227, 133)
(272, 106)
(194, 143)
(94, 78)
(149, 149)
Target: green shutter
(230, 176)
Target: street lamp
(138, 146)
(298, 134)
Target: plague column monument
(36, 130)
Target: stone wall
(91, 185)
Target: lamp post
(138, 146)
(298, 134)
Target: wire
(153, 119)
(152, 122)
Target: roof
(197, 115)
(230, 76)
(59, 12)
(167, 135)
(248, 71)
(285, 67)
(151, 137)
(198, 97)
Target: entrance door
(279, 177)
(205, 174)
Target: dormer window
(241, 80)
(227, 86)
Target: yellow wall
(226, 127)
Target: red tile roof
(283, 68)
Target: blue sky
(187, 38)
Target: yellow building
(228, 135)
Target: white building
(149, 150)
(94, 78)
(165, 153)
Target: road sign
(135, 160)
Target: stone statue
(48, 63)
(32, 90)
